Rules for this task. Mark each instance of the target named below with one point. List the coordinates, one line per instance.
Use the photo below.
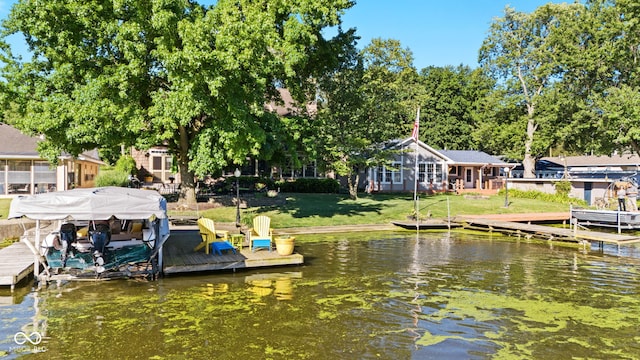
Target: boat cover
(91, 204)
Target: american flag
(416, 126)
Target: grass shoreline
(298, 210)
(305, 210)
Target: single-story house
(437, 170)
(23, 171)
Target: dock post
(36, 260)
(448, 215)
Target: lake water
(358, 296)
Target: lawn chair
(261, 235)
(216, 239)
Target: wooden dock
(16, 263)
(426, 225)
(179, 256)
(545, 232)
(529, 218)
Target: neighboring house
(157, 161)
(155, 165)
(591, 176)
(23, 171)
(437, 170)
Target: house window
(161, 163)
(396, 174)
(3, 188)
(44, 176)
(422, 172)
(309, 170)
(379, 172)
(430, 172)
(390, 174)
(19, 177)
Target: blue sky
(438, 32)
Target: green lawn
(4, 208)
(330, 209)
(302, 210)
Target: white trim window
(430, 172)
(389, 175)
(439, 178)
(160, 164)
(422, 172)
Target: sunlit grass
(301, 210)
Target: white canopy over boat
(94, 204)
(91, 204)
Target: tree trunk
(187, 186)
(187, 182)
(353, 185)
(529, 162)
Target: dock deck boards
(549, 232)
(525, 217)
(16, 263)
(179, 256)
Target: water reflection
(279, 284)
(23, 329)
(362, 296)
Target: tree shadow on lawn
(322, 208)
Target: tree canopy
(105, 74)
(567, 77)
(108, 73)
(365, 102)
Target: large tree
(454, 98)
(602, 62)
(522, 52)
(365, 102)
(106, 73)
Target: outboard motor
(100, 238)
(68, 236)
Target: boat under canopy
(134, 228)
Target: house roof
(592, 160)
(457, 157)
(16, 145)
(13, 143)
(288, 106)
(472, 157)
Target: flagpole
(414, 135)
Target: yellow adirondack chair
(209, 234)
(261, 235)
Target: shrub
(250, 183)
(304, 185)
(112, 177)
(126, 164)
(539, 195)
(563, 187)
